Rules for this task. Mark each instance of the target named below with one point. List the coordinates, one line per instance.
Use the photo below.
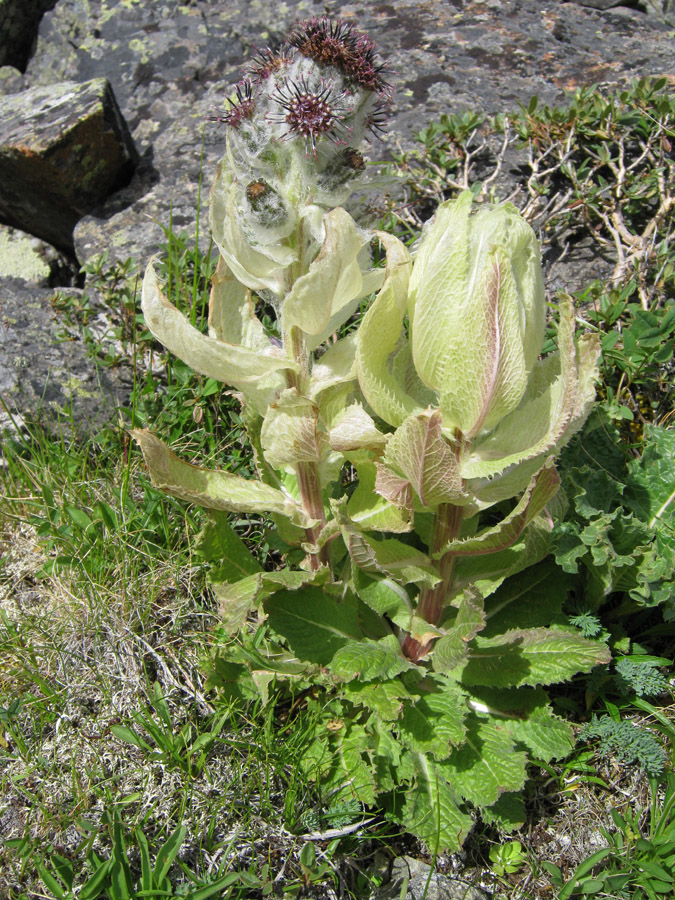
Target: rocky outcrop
(64, 148)
(171, 65)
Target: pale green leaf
(354, 429)
(355, 777)
(237, 600)
(378, 336)
(334, 279)
(372, 512)
(229, 363)
(542, 488)
(213, 488)
(289, 433)
(336, 367)
(232, 317)
(531, 656)
(419, 452)
(486, 765)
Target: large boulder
(19, 20)
(64, 148)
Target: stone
(438, 887)
(42, 375)
(63, 149)
(19, 20)
(23, 257)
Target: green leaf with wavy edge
(508, 813)
(232, 317)
(378, 335)
(530, 656)
(355, 778)
(213, 488)
(371, 512)
(334, 371)
(541, 489)
(219, 544)
(486, 764)
(354, 429)
(526, 714)
(314, 623)
(419, 452)
(435, 722)
(237, 600)
(370, 659)
(384, 698)
(453, 647)
(430, 807)
(384, 596)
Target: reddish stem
(431, 603)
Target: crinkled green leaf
(486, 764)
(526, 714)
(370, 659)
(385, 597)
(219, 544)
(378, 336)
(212, 488)
(531, 656)
(315, 624)
(419, 452)
(435, 722)
(430, 808)
(453, 647)
(238, 599)
(508, 813)
(384, 698)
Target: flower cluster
(294, 125)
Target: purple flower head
(266, 62)
(308, 112)
(334, 42)
(242, 107)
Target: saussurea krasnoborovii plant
(410, 462)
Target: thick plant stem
(309, 483)
(447, 525)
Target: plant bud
(476, 310)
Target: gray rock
(19, 20)
(438, 887)
(63, 149)
(41, 375)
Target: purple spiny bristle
(243, 107)
(307, 111)
(337, 43)
(266, 62)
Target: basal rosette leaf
(434, 723)
(385, 698)
(370, 659)
(525, 713)
(220, 545)
(314, 623)
(530, 656)
(213, 488)
(486, 765)
(535, 596)
(453, 648)
(430, 807)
